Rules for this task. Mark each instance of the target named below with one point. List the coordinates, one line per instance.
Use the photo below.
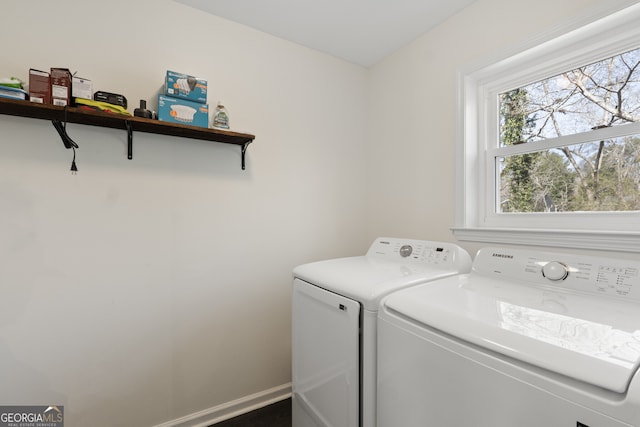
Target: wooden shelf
(118, 121)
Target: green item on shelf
(11, 82)
(100, 106)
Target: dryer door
(325, 358)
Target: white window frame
(587, 39)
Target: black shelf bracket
(244, 150)
(127, 123)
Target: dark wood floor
(275, 415)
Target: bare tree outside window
(595, 175)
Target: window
(549, 141)
(600, 173)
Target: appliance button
(555, 271)
(405, 251)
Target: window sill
(601, 240)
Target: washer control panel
(422, 252)
(598, 275)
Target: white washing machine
(334, 316)
(527, 339)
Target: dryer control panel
(424, 252)
(597, 275)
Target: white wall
(137, 292)
(412, 131)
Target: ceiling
(359, 31)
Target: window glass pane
(602, 94)
(588, 177)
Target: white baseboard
(216, 414)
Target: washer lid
(367, 279)
(591, 339)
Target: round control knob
(555, 271)
(405, 251)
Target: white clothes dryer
(527, 339)
(334, 316)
